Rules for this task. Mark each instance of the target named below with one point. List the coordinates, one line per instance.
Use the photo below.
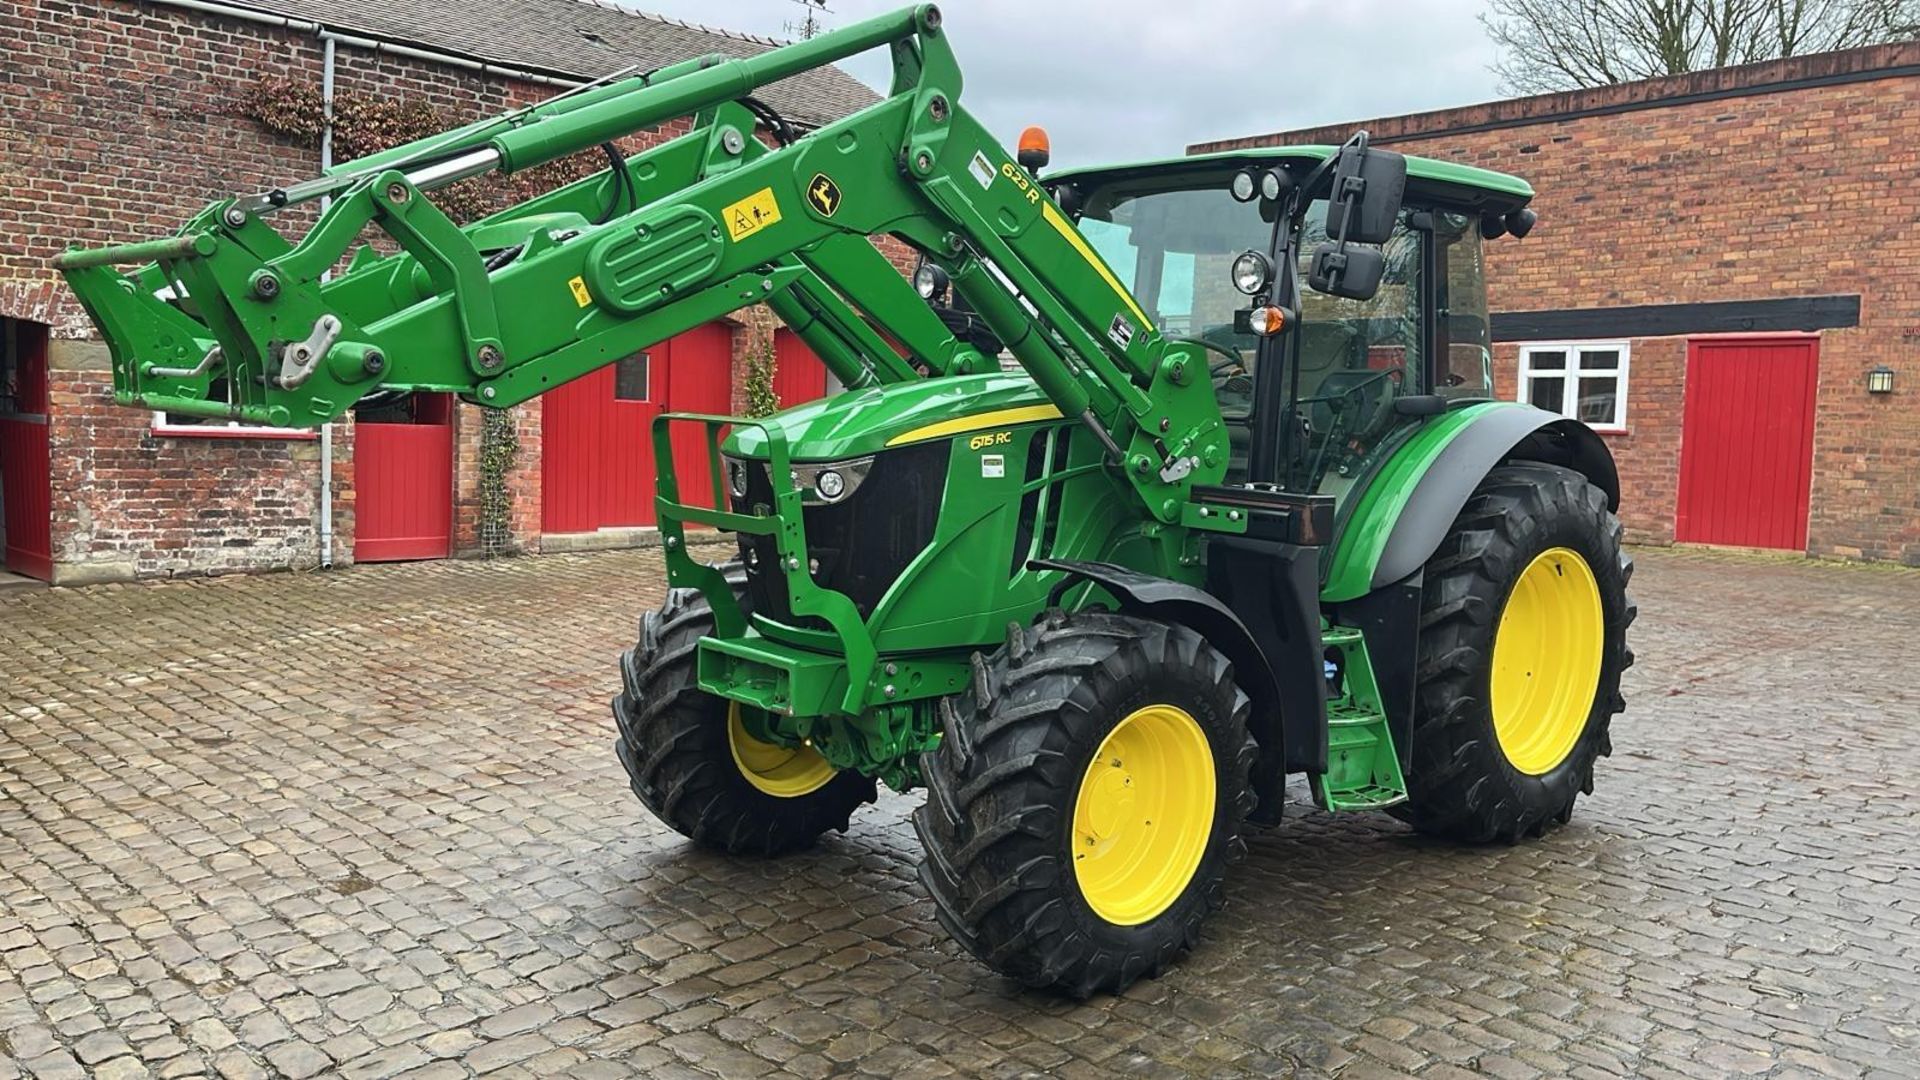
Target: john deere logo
(824, 194)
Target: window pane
(1468, 359)
(1547, 360)
(1599, 359)
(1598, 396)
(1548, 392)
(1356, 358)
(630, 378)
(1175, 303)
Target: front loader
(1244, 508)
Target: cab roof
(1447, 182)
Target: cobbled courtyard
(368, 823)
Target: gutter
(303, 26)
(330, 41)
(434, 56)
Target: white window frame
(1570, 397)
(165, 425)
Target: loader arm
(229, 319)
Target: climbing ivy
(364, 124)
(499, 446)
(762, 399)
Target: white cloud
(1126, 81)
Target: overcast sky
(1118, 80)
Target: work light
(1245, 185)
(1251, 272)
(929, 281)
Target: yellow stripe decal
(1072, 236)
(963, 424)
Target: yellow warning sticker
(751, 214)
(580, 294)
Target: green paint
(1357, 549)
(509, 307)
(863, 421)
(1472, 181)
(1363, 769)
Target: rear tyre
(1085, 800)
(1522, 644)
(692, 760)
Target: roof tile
(579, 38)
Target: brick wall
(118, 121)
(1805, 187)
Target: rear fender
(1412, 502)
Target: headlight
(1251, 272)
(830, 482)
(737, 479)
(1245, 185)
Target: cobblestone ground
(368, 823)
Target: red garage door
(798, 375)
(403, 480)
(596, 435)
(1746, 444)
(26, 510)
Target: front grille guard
(785, 525)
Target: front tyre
(1085, 800)
(693, 761)
(1522, 644)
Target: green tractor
(1238, 505)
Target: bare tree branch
(1548, 45)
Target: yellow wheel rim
(785, 772)
(1546, 661)
(1143, 815)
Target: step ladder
(1363, 768)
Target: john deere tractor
(1189, 479)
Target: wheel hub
(785, 772)
(1110, 806)
(1143, 815)
(1546, 660)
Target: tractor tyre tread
(1461, 787)
(1002, 778)
(673, 743)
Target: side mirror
(1351, 272)
(1368, 185)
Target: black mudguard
(1268, 625)
(1502, 435)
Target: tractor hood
(861, 422)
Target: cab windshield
(1173, 249)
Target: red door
(596, 431)
(403, 481)
(1746, 445)
(798, 375)
(26, 494)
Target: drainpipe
(326, 430)
(329, 39)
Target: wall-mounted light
(1880, 380)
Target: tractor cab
(1193, 239)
